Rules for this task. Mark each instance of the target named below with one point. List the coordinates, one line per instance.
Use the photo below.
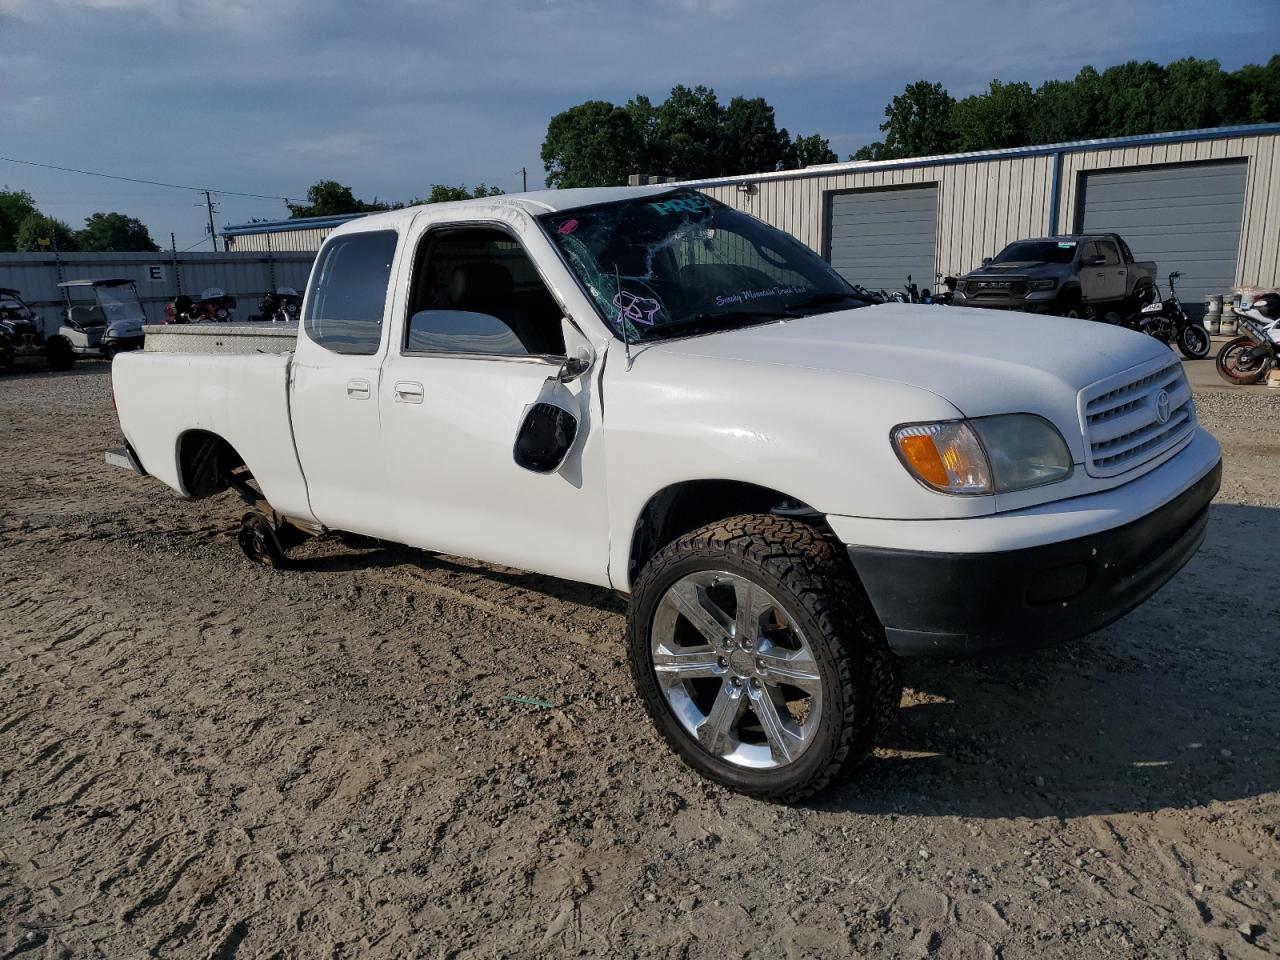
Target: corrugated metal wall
(984, 204)
(1259, 260)
(282, 242)
(247, 277)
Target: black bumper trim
(945, 604)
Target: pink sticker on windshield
(636, 309)
(568, 227)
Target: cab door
(1114, 271)
(334, 376)
(480, 346)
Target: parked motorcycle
(214, 306)
(283, 306)
(1250, 357)
(940, 296)
(1168, 322)
(179, 310)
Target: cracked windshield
(682, 264)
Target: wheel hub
(736, 670)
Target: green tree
(917, 122)
(751, 141)
(690, 127)
(443, 193)
(810, 151)
(329, 198)
(1067, 109)
(15, 206)
(1197, 94)
(1254, 92)
(592, 144)
(1001, 117)
(1131, 94)
(36, 227)
(114, 232)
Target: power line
(153, 183)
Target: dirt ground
(200, 758)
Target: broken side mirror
(578, 353)
(545, 438)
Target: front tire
(757, 655)
(1194, 341)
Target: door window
(476, 292)
(1110, 256)
(349, 292)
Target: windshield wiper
(716, 320)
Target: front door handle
(358, 389)
(408, 392)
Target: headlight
(1043, 284)
(983, 456)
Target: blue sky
(268, 96)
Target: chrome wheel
(736, 670)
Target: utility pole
(208, 203)
(524, 179)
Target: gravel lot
(200, 758)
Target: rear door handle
(408, 392)
(358, 389)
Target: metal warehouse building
(1206, 202)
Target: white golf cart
(109, 325)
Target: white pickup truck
(648, 390)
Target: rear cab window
(348, 292)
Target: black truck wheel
(758, 657)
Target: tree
(592, 144)
(329, 198)
(688, 135)
(1067, 109)
(1001, 117)
(36, 227)
(15, 206)
(442, 193)
(751, 141)
(1196, 94)
(1131, 94)
(1254, 92)
(917, 122)
(810, 151)
(114, 232)
(690, 128)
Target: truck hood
(1019, 268)
(983, 362)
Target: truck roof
(1069, 236)
(535, 202)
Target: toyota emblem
(1162, 406)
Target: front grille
(995, 288)
(1122, 417)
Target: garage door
(1184, 217)
(877, 237)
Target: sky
(269, 96)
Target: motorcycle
(1167, 321)
(282, 306)
(944, 298)
(214, 306)
(1250, 357)
(179, 310)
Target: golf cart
(22, 335)
(112, 324)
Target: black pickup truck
(1080, 275)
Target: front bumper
(962, 603)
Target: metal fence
(159, 277)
